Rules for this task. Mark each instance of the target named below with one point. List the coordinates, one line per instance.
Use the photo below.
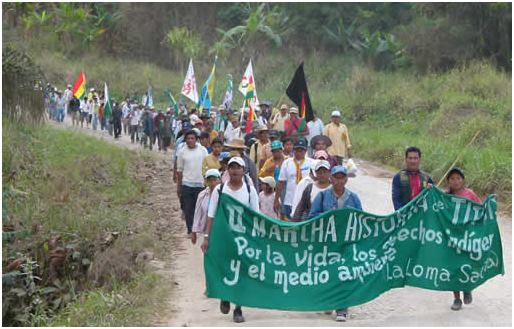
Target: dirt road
(492, 305)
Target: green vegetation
(126, 305)
(75, 200)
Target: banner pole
(458, 158)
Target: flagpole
(458, 157)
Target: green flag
(347, 257)
(172, 101)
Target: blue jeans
(60, 115)
(287, 210)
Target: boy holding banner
(456, 186)
(239, 188)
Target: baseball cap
(212, 173)
(457, 170)
(335, 114)
(339, 169)
(237, 160)
(197, 132)
(301, 143)
(276, 145)
(293, 110)
(187, 125)
(268, 180)
(223, 156)
(321, 154)
(322, 164)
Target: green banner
(347, 257)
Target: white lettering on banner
(235, 265)
(254, 272)
(235, 218)
(475, 247)
(278, 259)
(478, 211)
(431, 273)
(323, 258)
(322, 230)
(473, 276)
(307, 278)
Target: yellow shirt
(213, 135)
(268, 168)
(263, 152)
(340, 139)
(210, 162)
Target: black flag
(298, 93)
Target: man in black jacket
(74, 110)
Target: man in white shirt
(315, 127)
(240, 190)
(134, 117)
(291, 173)
(124, 119)
(233, 130)
(68, 95)
(190, 181)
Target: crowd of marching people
(280, 167)
(142, 122)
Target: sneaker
(457, 304)
(341, 315)
(468, 299)
(224, 307)
(238, 315)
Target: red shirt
(415, 185)
(292, 127)
(468, 194)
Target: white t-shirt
(288, 174)
(240, 195)
(301, 188)
(134, 119)
(189, 162)
(299, 191)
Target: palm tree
(262, 26)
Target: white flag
(243, 86)
(189, 87)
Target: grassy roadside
(78, 201)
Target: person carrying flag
(293, 125)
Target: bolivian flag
(79, 87)
(248, 97)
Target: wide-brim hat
(316, 138)
(261, 129)
(237, 143)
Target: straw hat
(237, 143)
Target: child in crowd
(212, 178)
(267, 197)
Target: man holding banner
(242, 191)
(336, 197)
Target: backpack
(247, 188)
